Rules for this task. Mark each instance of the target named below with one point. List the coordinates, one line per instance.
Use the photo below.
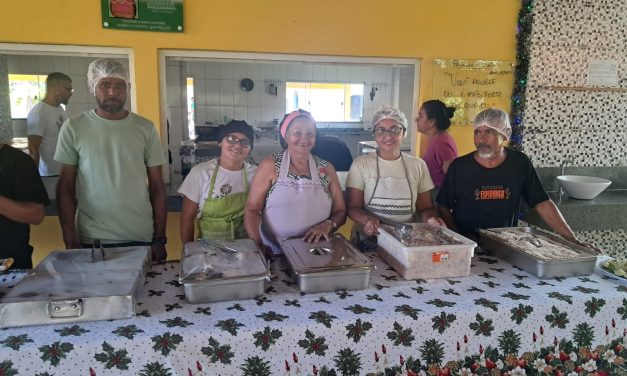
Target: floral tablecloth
(499, 320)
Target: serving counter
(499, 317)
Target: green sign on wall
(147, 15)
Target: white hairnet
(495, 119)
(391, 113)
(104, 67)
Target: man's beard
(487, 154)
(111, 106)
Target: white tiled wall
(218, 95)
(74, 66)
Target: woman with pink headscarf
(294, 193)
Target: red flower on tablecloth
(266, 338)
(128, 331)
(217, 352)
(229, 325)
(443, 322)
(322, 317)
(15, 342)
(401, 336)
(55, 352)
(358, 329)
(112, 358)
(166, 342)
(312, 344)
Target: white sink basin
(583, 187)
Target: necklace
(298, 172)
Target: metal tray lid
(84, 260)
(42, 286)
(334, 254)
(219, 260)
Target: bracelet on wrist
(333, 224)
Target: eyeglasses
(243, 142)
(68, 88)
(394, 131)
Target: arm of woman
(446, 164)
(188, 217)
(338, 210)
(259, 187)
(357, 213)
(424, 207)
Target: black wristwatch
(161, 240)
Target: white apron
(294, 205)
(392, 197)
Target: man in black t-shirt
(483, 189)
(22, 200)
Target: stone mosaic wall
(586, 126)
(565, 120)
(5, 102)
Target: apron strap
(411, 193)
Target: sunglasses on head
(243, 142)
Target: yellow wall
(424, 29)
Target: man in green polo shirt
(110, 189)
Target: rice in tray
(547, 249)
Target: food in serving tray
(616, 267)
(420, 237)
(537, 246)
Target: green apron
(223, 218)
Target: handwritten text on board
(471, 86)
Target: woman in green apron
(215, 192)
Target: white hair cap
(495, 119)
(102, 68)
(387, 112)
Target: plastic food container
(582, 263)
(215, 271)
(443, 260)
(327, 266)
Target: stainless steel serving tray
(327, 266)
(577, 266)
(69, 286)
(213, 271)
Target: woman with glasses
(388, 183)
(215, 192)
(433, 121)
(294, 193)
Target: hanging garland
(523, 42)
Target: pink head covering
(290, 117)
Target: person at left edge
(22, 200)
(111, 179)
(215, 192)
